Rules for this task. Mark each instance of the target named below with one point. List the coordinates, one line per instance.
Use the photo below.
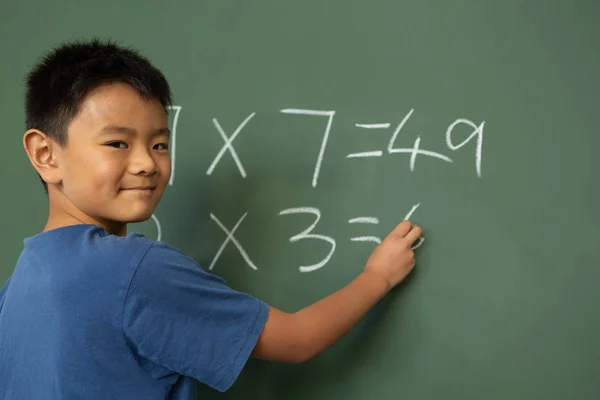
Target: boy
(93, 312)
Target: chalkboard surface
(305, 131)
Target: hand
(393, 259)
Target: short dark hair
(58, 84)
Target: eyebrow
(130, 131)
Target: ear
(41, 150)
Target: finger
(418, 243)
(413, 234)
(402, 229)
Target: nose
(141, 162)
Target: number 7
(329, 114)
(173, 141)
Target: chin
(138, 215)
(139, 218)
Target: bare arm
(298, 337)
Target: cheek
(165, 168)
(108, 173)
(94, 173)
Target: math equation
(310, 232)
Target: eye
(118, 145)
(161, 146)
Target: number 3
(306, 234)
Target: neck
(63, 212)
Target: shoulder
(3, 292)
(130, 249)
(151, 262)
(163, 263)
(87, 243)
(154, 259)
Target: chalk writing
(173, 142)
(375, 220)
(229, 237)
(477, 134)
(365, 220)
(408, 216)
(158, 227)
(228, 146)
(320, 113)
(307, 234)
(414, 151)
(474, 135)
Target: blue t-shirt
(90, 315)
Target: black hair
(59, 83)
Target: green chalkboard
(480, 117)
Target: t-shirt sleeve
(189, 321)
(3, 292)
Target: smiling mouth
(141, 188)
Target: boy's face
(116, 163)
